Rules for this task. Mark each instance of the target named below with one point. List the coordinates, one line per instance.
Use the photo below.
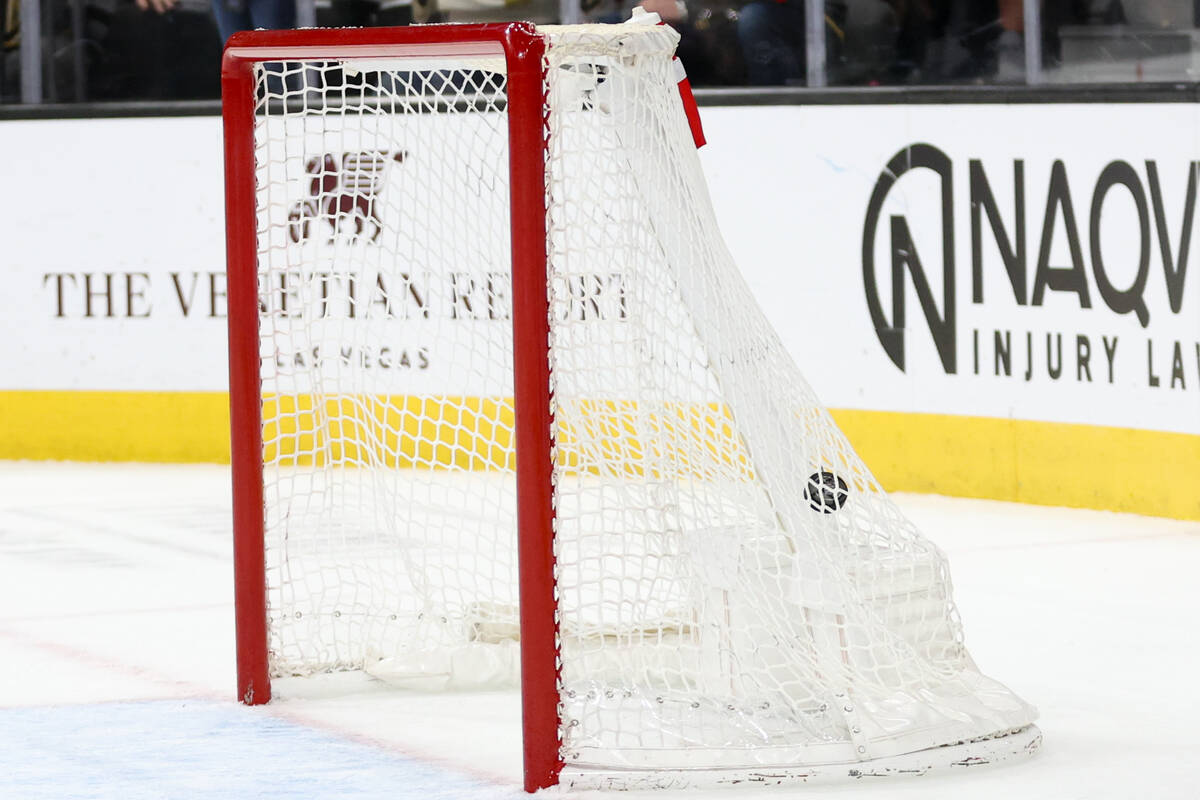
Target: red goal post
(522, 49)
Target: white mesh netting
(386, 360)
(735, 588)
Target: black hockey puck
(826, 492)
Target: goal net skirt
(504, 410)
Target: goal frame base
(1019, 744)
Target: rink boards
(995, 301)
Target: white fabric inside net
(735, 588)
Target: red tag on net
(689, 103)
(690, 109)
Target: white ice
(117, 659)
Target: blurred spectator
(919, 25)
(10, 40)
(773, 39)
(1010, 45)
(708, 46)
(155, 50)
(246, 15)
(158, 50)
(10, 29)
(372, 13)
(541, 12)
(948, 42)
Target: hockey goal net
(482, 326)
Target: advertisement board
(1026, 262)
(999, 289)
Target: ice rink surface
(117, 659)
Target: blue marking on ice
(833, 165)
(203, 749)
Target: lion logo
(342, 192)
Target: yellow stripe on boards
(115, 426)
(405, 431)
(1044, 463)
(1118, 469)
(628, 440)
(476, 433)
